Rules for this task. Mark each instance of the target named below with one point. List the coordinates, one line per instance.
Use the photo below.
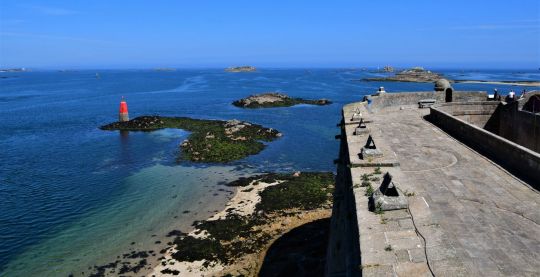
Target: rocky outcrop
(241, 69)
(271, 100)
(416, 74)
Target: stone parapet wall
(412, 98)
(521, 127)
(521, 161)
(477, 113)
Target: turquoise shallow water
(73, 196)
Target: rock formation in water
(272, 99)
(244, 68)
(416, 74)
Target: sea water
(73, 196)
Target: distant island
(22, 69)
(416, 74)
(273, 99)
(214, 141)
(244, 68)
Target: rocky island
(244, 68)
(272, 99)
(416, 74)
(214, 141)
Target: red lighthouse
(123, 114)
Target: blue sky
(139, 34)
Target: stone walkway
(477, 219)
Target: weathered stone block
(370, 149)
(361, 131)
(371, 153)
(388, 197)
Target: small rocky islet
(212, 141)
(245, 68)
(416, 74)
(274, 99)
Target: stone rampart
(436, 173)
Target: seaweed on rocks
(175, 233)
(308, 191)
(230, 227)
(169, 271)
(264, 178)
(126, 268)
(195, 249)
(135, 255)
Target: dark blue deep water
(65, 185)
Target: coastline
(243, 203)
(508, 83)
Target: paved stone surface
(477, 219)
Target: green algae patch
(306, 192)
(213, 141)
(224, 240)
(229, 228)
(192, 249)
(263, 178)
(275, 100)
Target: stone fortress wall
(498, 130)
